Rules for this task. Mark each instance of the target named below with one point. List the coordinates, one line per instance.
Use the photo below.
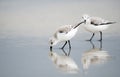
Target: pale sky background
(41, 17)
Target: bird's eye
(51, 42)
(60, 31)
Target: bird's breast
(93, 28)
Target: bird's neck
(88, 21)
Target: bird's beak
(50, 48)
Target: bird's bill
(51, 48)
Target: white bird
(64, 33)
(64, 63)
(95, 24)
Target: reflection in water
(64, 62)
(94, 56)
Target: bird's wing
(65, 29)
(99, 21)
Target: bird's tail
(111, 22)
(107, 23)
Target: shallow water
(29, 57)
(25, 28)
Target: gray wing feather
(63, 30)
(99, 21)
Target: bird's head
(52, 42)
(85, 17)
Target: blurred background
(25, 28)
(40, 18)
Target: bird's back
(65, 32)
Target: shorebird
(64, 33)
(95, 24)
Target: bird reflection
(94, 56)
(63, 62)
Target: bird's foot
(88, 40)
(61, 48)
(100, 40)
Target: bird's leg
(100, 45)
(69, 51)
(91, 37)
(64, 45)
(100, 36)
(69, 44)
(93, 46)
(64, 52)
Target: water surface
(28, 57)
(25, 28)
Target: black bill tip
(50, 48)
